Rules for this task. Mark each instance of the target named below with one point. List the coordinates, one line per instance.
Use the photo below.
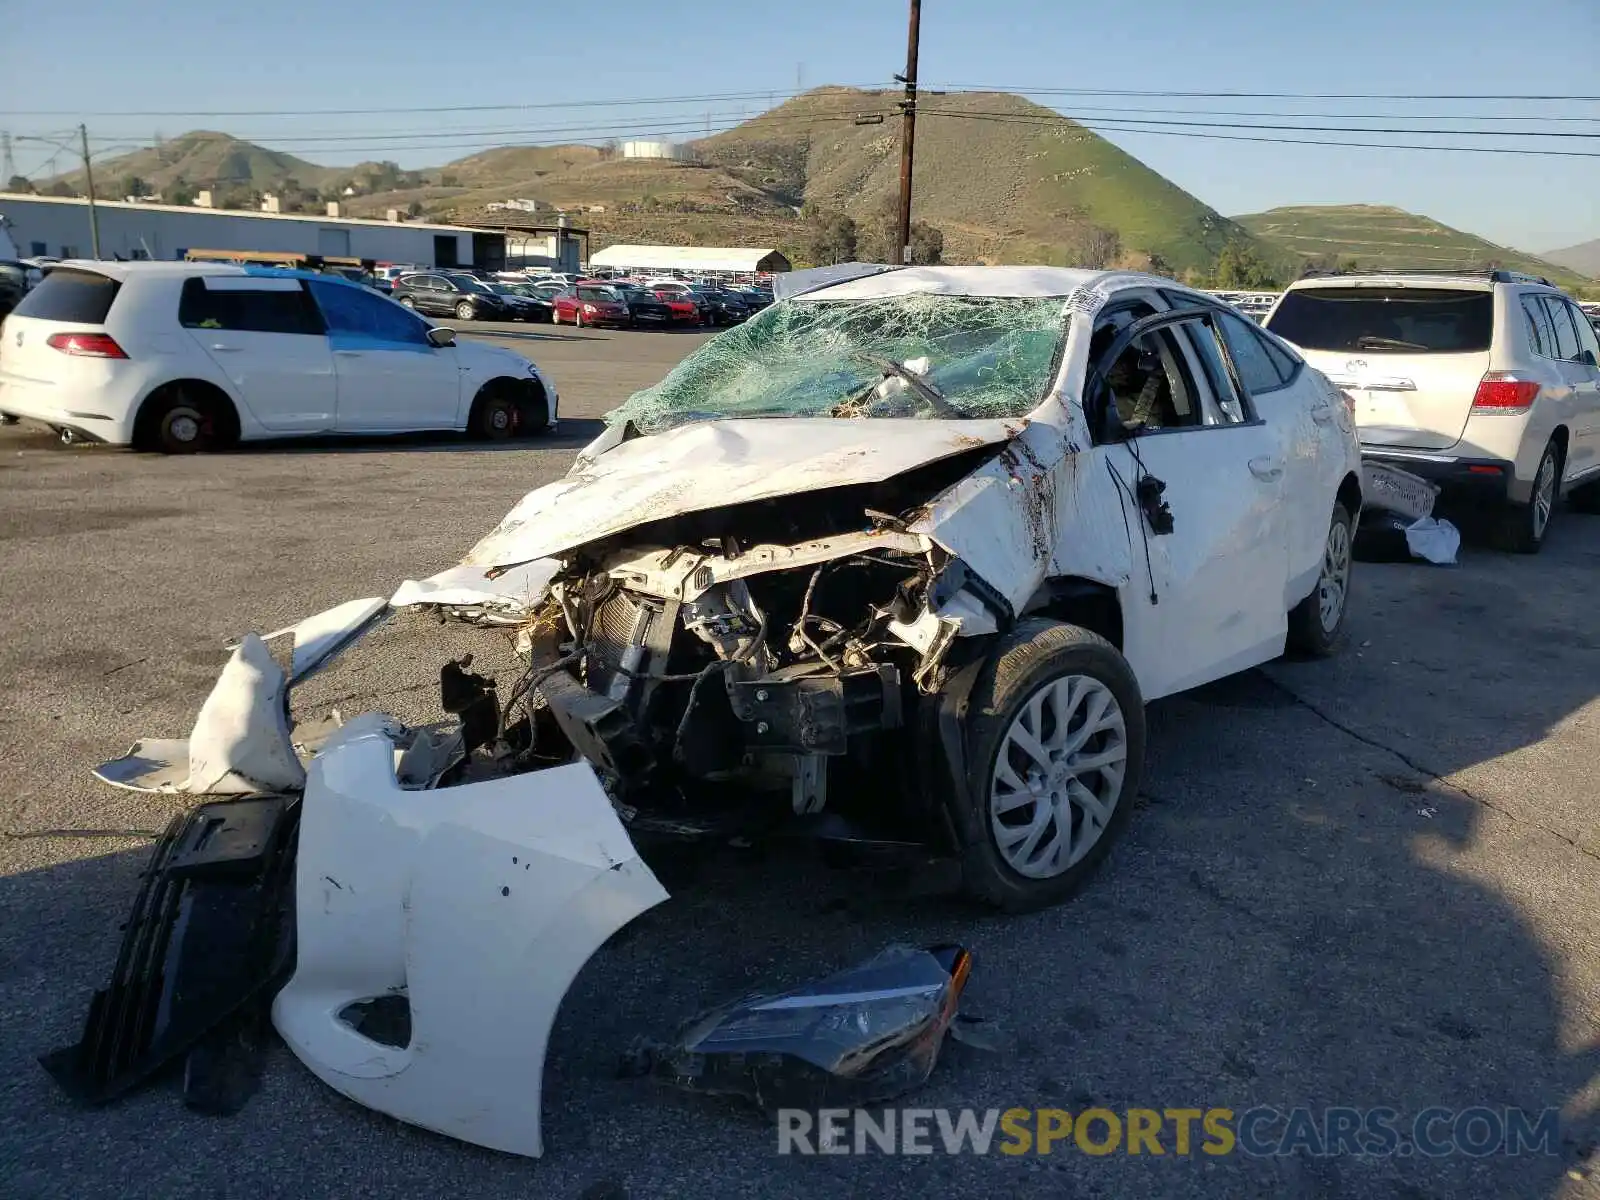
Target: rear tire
(1521, 528)
(1316, 624)
(407, 301)
(181, 426)
(464, 311)
(1033, 828)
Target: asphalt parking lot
(1364, 882)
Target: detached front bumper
(466, 914)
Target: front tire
(498, 418)
(1055, 750)
(1316, 624)
(464, 311)
(1521, 528)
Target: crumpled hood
(712, 464)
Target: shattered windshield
(917, 355)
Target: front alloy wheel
(1055, 746)
(1058, 775)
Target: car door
(1311, 424)
(1580, 365)
(266, 335)
(390, 377)
(1202, 483)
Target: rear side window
(79, 297)
(1376, 320)
(1541, 337)
(267, 308)
(1566, 331)
(1253, 356)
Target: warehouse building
(691, 260)
(59, 226)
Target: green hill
(205, 159)
(1382, 238)
(1003, 178)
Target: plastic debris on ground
(209, 940)
(1435, 540)
(1397, 522)
(861, 1036)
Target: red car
(679, 299)
(589, 303)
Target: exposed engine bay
(776, 647)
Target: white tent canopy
(740, 259)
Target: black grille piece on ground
(208, 942)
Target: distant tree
(830, 237)
(132, 185)
(19, 183)
(449, 179)
(1239, 265)
(608, 149)
(414, 209)
(1099, 247)
(60, 188)
(179, 191)
(880, 238)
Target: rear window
(78, 297)
(1373, 320)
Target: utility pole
(88, 179)
(908, 134)
(8, 167)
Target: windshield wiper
(1371, 342)
(930, 395)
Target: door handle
(1266, 468)
(1322, 414)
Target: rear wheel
(408, 301)
(1056, 747)
(181, 426)
(1316, 624)
(464, 311)
(1521, 528)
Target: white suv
(183, 356)
(1487, 383)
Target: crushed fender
(861, 1036)
(207, 941)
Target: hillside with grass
(1004, 179)
(202, 159)
(1376, 237)
(1583, 258)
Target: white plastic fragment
(477, 904)
(240, 741)
(1433, 539)
(318, 638)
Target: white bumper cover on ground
(479, 903)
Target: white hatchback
(184, 356)
(1486, 383)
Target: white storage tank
(650, 150)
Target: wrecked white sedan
(903, 558)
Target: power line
(1026, 91)
(1043, 119)
(1226, 137)
(608, 102)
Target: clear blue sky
(99, 59)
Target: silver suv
(1486, 382)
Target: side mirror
(440, 337)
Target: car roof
(125, 271)
(1466, 281)
(1006, 282)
